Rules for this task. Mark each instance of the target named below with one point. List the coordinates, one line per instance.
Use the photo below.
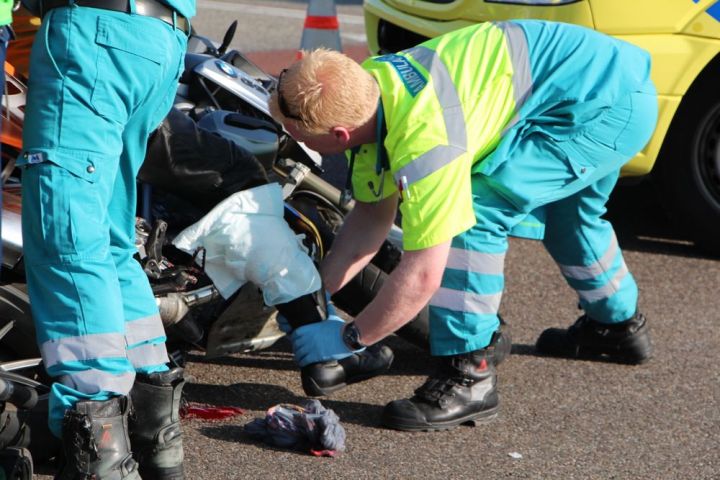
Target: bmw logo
(226, 68)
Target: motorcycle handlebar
(19, 395)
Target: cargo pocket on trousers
(71, 212)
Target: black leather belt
(148, 8)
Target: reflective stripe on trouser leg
(463, 313)
(76, 258)
(587, 252)
(144, 331)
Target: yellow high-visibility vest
(446, 103)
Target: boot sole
(167, 473)
(634, 352)
(475, 419)
(600, 355)
(614, 356)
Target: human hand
(283, 323)
(321, 341)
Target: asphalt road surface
(560, 419)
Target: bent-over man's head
(322, 91)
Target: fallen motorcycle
(219, 139)
(188, 172)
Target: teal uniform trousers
(590, 109)
(100, 82)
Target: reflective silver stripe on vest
(478, 262)
(86, 347)
(520, 58)
(455, 128)
(148, 354)
(460, 301)
(144, 329)
(94, 381)
(593, 270)
(607, 290)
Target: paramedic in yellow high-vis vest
(509, 128)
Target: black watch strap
(351, 337)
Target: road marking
(273, 11)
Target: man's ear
(341, 134)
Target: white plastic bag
(246, 239)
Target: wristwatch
(351, 337)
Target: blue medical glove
(283, 324)
(319, 342)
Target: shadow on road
(409, 359)
(277, 357)
(642, 224)
(236, 434)
(255, 396)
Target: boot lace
(440, 387)
(437, 390)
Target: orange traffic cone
(321, 27)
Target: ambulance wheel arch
(688, 168)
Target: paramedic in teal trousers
(103, 75)
(515, 127)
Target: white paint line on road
(273, 11)
(355, 37)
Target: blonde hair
(326, 89)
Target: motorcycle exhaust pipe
(174, 306)
(177, 317)
(200, 296)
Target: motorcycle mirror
(198, 44)
(227, 38)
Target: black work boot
(624, 342)
(155, 425)
(95, 441)
(462, 390)
(324, 378)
